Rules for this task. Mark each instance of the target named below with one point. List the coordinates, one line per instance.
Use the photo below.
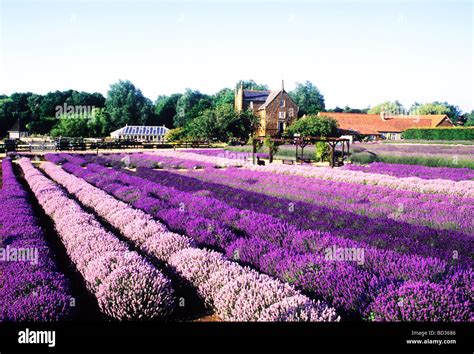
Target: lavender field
(181, 235)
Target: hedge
(454, 133)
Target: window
(291, 113)
(251, 104)
(282, 103)
(281, 115)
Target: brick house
(276, 109)
(385, 126)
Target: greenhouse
(140, 133)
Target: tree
(126, 104)
(71, 126)
(224, 96)
(453, 112)
(469, 119)
(99, 124)
(314, 126)
(223, 124)
(308, 98)
(251, 85)
(165, 109)
(189, 106)
(388, 107)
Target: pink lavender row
(31, 289)
(339, 282)
(399, 170)
(125, 285)
(377, 231)
(433, 210)
(246, 156)
(456, 188)
(236, 293)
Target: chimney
(383, 115)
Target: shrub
(451, 133)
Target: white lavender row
(125, 285)
(236, 293)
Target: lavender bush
(30, 290)
(133, 289)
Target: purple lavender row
(353, 287)
(31, 287)
(399, 170)
(378, 231)
(433, 210)
(125, 285)
(236, 293)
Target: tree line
(191, 114)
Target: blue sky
(358, 53)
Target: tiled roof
(256, 95)
(140, 130)
(369, 124)
(269, 99)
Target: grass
(431, 161)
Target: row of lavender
(399, 170)
(125, 285)
(456, 188)
(378, 230)
(280, 250)
(434, 210)
(236, 293)
(31, 287)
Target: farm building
(140, 133)
(385, 126)
(276, 109)
(17, 131)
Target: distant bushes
(452, 133)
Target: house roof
(18, 126)
(140, 130)
(372, 124)
(256, 95)
(270, 98)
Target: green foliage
(453, 133)
(175, 134)
(126, 105)
(251, 85)
(308, 98)
(453, 112)
(189, 106)
(71, 126)
(314, 126)
(322, 151)
(223, 97)
(165, 109)
(388, 107)
(348, 109)
(223, 124)
(469, 119)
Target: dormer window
(282, 103)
